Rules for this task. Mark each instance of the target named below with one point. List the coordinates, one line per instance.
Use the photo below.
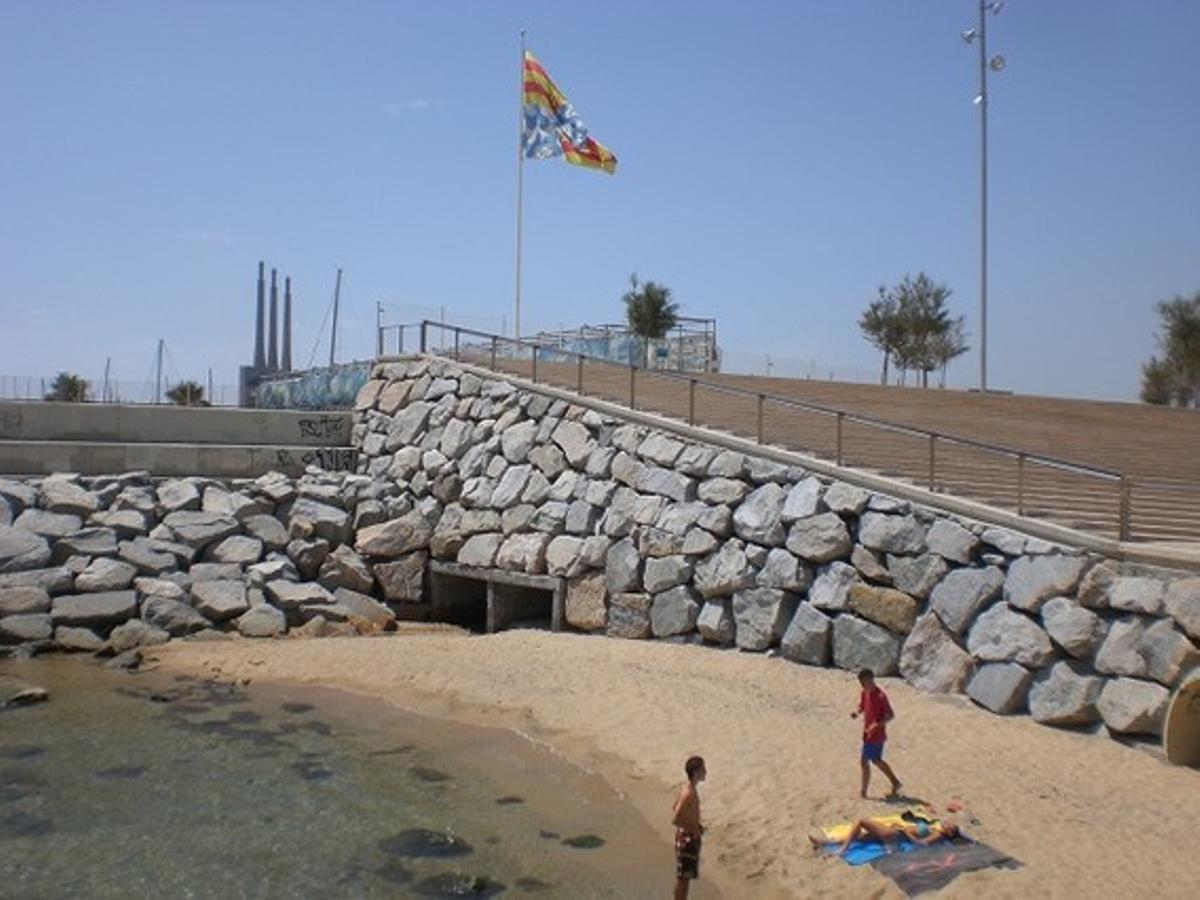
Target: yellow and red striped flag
(552, 127)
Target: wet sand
(1087, 816)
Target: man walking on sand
(688, 828)
(876, 711)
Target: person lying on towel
(918, 832)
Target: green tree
(880, 324)
(911, 324)
(1174, 378)
(69, 388)
(187, 393)
(650, 311)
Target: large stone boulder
(27, 627)
(21, 549)
(859, 644)
(629, 616)
(329, 522)
(345, 568)
(901, 534)
(54, 580)
(715, 622)
(1002, 688)
(1065, 694)
(622, 567)
(585, 608)
(100, 609)
(894, 610)
(665, 572)
(931, 660)
(16, 601)
(1182, 603)
(724, 572)
(761, 615)
(365, 607)
(806, 639)
(510, 487)
(104, 574)
(77, 639)
(90, 542)
(576, 442)
(664, 482)
(524, 553)
(846, 499)
(757, 518)
(178, 494)
(220, 600)
(1129, 706)
(135, 633)
(199, 529)
(1032, 580)
(173, 616)
(1075, 628)
(1003, 635)
(62, 495)
(262, 622)
(146, 558)
(960, 596)
(917, 575)
(237, 549)
(565, 556)
(48, 524)
(830, 590)
(784, 571)
(1096, 584)
(403, 579)
(1132, 593)
(1169, 655)
(480, 550)
(396, 537)
(722, 490)
(674, 611)
(952, 541)
(803, 500)
(820, 538)
(1120, 651)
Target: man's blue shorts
(872, 751)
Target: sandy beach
(1086, 815)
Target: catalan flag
(552, 127)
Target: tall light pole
(996, 64)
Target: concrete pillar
(260, 357)
(285, 361)
(272, 338)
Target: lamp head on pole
(997, 63)
(968, 36)
(994, 6)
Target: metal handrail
(1123, 482)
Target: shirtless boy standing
(688, 828)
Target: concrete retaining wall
(116, 423)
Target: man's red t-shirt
(875, 708)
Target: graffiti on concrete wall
(331, 459)
(333, 388)
(323, 427)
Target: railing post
(840, 418)
(1123, 529)
(691, 401)
(632, 385)
(424, 335)
(579, 377)
(534, 369)
(762, 400)
(1020, 484)
(400, 340)
(456, 334)
(932, 461)
(494, 341)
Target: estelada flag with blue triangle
(552, 127)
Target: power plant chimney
(273, 340)
(260, 359)
(286, 362)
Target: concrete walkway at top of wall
(127, 424)
(1181, 556)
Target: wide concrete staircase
(1120, 470)
(101, 438)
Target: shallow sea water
(143, 785)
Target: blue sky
(778, 162)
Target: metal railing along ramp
(1102, 500)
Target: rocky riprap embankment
(112, 563)
(664, 537)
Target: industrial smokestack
(260, 358)
(272, 339)
(286, 361)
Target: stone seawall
(656, 536)
(667, 538)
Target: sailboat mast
(337, 291)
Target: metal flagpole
(520, 180)
(983, 197)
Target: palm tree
(187, 393)
(650, 312)
(68, 388)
